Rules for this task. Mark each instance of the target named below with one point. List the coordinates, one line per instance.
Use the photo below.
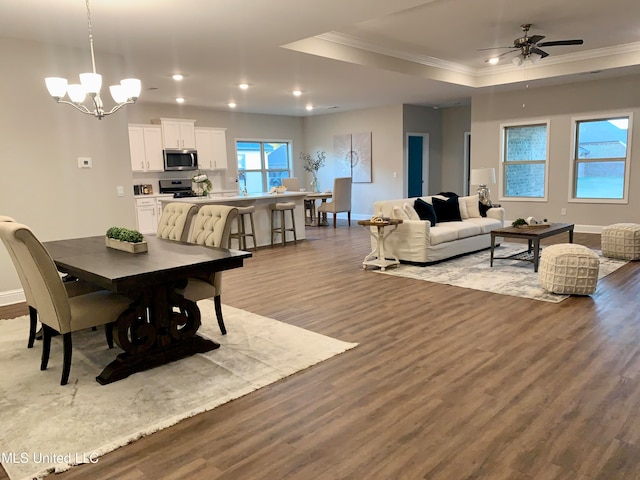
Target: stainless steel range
(181, 188)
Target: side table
(377, 257)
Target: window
(601, 158)
(264, 164)
(524, 160)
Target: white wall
(386, 152)
(40, 182)
(558, 104)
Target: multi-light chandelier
(90, 83)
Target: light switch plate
(84, 162)
(120, 191)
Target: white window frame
(572, 159)
(264, 171)
(502, 181)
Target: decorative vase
(315, 185)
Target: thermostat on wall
(84, 162)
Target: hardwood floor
(447, 383)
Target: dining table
(160, 325)
(317, 219)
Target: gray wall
(455, 123)
(558, 104)
(416, 119)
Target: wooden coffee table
(533, 234)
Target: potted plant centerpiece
(312, 165)
(126, 240)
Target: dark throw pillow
(483, 209)
(448, 194)
(425, 211)
(447, 210)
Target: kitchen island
(261, 216)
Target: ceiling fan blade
(492, 48)
(535, 39)
(542, 53)
(561, 42)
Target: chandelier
(90, 83)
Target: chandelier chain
(93, 57)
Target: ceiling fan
(528, 45)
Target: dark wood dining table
(160, 326)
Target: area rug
(45, 427)
(506, 277)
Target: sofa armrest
(497, 213)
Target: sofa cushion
(442, 233)
(398, 213)
(447, 210)
(465, 228)
(410, 211)
(462, 205)
(425, 211)
(473, 202)
(486, 224)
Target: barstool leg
(253, 231)
(272, 226)
(293, 224)
(283, 230)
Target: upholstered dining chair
(175, 222)
(341, 200)
(211, 228)
(58, 313)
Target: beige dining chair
(293, 185)
(175, 222)
(58, 313)
(341, 199)
(211, 228)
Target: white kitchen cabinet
(145, 147)
(147, 215)
(177, 133)
(211, 144)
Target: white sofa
(416, 241)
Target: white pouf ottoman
(569, 269)
(621, 240)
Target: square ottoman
(569, 269)
(621, 240)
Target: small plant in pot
(125, 239)
(518, 222)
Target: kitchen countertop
(239, 198)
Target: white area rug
(77, 423)
(507, 277)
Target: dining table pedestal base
(127, 364)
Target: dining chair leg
(349, 217)
(47, 333)
(218, 306)
(33, 323)
(108, 332)
(334, 220)
(66, 360)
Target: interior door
(417, 164)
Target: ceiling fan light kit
(529, 47)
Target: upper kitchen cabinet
(211, 144)
(145, 147)
(177, 133)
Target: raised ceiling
(342, 55)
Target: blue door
(415, 148)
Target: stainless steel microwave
(180, 159)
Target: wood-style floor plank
(447, 383)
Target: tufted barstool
(241, 234)
(282, 207)
(211, 228)
(175, 221)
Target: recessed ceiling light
(243, 86)
(297, 93)
(309, 107)
(232, 105)
(493, 61)
(180, 100)
(177, 77)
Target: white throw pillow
(410, 212)
(462, 204)
(473, 210)
(398, 213)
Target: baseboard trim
(12, 296)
